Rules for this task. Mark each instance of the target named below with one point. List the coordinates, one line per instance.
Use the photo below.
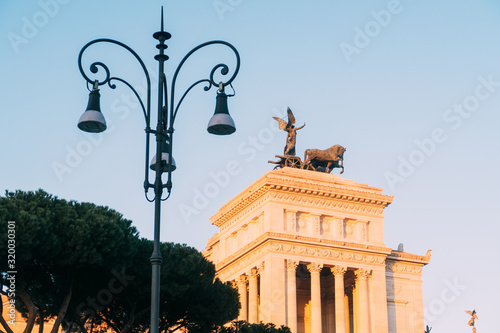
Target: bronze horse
(328, 159)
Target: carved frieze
(402, 267)
(292, 198)
(313, 251)
(309, 251)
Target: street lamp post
(220, 124)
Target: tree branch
(32, 310)
(63, 309)
(2, 319)
(81, 328)
(130, 322)
(40, 321)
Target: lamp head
(92, 120)
(165, 158)
(221, 122)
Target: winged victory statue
(472, 320)
(291, 130)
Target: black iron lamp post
(221, 124)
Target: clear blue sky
(410, 88)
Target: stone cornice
(407, 263)
(212, 241)
(244, 202)
(308, 187)
(410, 257)
(340, 244)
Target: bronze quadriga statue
(314, 159)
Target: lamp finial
(162, 18)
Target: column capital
(253, 274)
(242, 279)
(291, 265)
(338, 270)
(362, 273)
(261, 267)
(315, 268)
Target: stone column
(242, 290)
(316, 323)
(253, 302)
(291, 267)
(330, 312)
(273, 299)
(338, 273)
(263, 306)
(364, 308)
(347, 317)
(379, 316)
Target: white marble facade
(305, 249)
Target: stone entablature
(308, 188)
(329, 255)
(304, 246)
